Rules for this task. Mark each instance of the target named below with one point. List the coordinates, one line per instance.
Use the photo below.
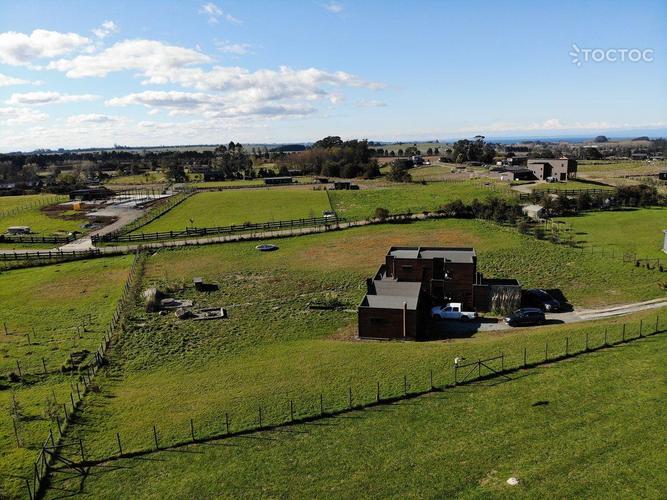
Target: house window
(406, 268)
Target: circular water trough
(266, 248)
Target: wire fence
(314, 406)
(40, 203)
(49, 450)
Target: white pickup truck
(452, 310)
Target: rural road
(576, 316)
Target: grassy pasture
(590, 427)
(147, 178)
(637, 231)
(53, 300)
(41, 222)
(412, 197)
(223, 208)
(13, 202)
(273, 348)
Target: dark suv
(535, 297)
(526, 316)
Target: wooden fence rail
(210, 231)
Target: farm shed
(91, 194)
(19, 230)
(270, 181)
(534, 212)
(513, 173)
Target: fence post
(83, 455)
(605, 336)
(567, 346)
(260, 417)
(405, 385)
(44, 365)
(641, 324)
(18, 367)
(157, 446)
(27, 483)
(66, 414)
(60, 429)
(656, 323)
(321, 404)
(546, 351)
(349, 396)
(586, 341)
(120, 446)
(502, 361)
(377, 394)
(623, 332)
(431, 378)
(291, 410)
(192, 429)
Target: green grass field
(440, 170)
(147, 178)
(18, 202)
(635, 231)
(223, 208)
(41, 222)
(589, 427)
(273, 348)
(48, 303)
(400, 198)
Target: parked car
(536, 297)
(526, 316)
(452, 310)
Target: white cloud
(106, 28)
(21, 115)
(215, 13)
(370, 103)
(151, 58)
(20, 49)
(334, 7)
(209, 105)
(6, 81)
(238, 49)
(91, 118)
(33, 98)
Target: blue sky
(88, 73)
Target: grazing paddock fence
(47, 256)
(52, 449)
(43, 202)
(320, 404)
(566, 192)
(55, 239)
(161, 208)
(216, 231)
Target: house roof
(458, 255)
(391, 294)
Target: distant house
(639, 156)
(662, 175)
(561, 169)
(271, 181)
(413, 279)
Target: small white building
(535, 212)
(19, 230)
(664, 243)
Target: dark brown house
(413, 279)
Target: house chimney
(405, 321)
